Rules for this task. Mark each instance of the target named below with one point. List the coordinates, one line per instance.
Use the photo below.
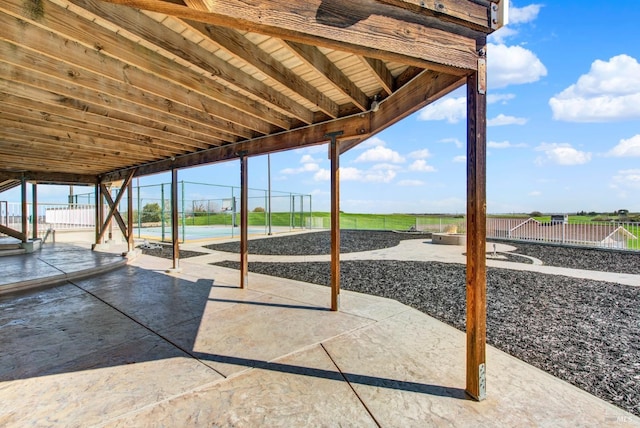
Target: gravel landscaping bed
(581, 258)
(582, 331)
(166, 252)
(314, 243)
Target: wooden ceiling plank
(363, 27)
(18, 148)
(49, 177)
(64, 122)
(38, 164)
(353, 126)
(314, 58)
(69, 93)
(56, 57)
(381, 73)
(238, 45)
(105, 42)
(147, 130)
(150, 30)
(94, 141)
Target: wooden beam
(315, 59)
(473, 14)
(239, 46)
(24, 212)
(49, 177)
(175, 241)
(113, 206)
(476, 282)
(156, 33)
(244, 222)
(381, 73)
(13, 233)
(365, 28)
(116, 212)
(352, 126)
(334, 150)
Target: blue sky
(563, 128)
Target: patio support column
(334, 154)
(244, 223)
(25, 210)
(130, 216)
(476, 281)
(99, 212)
(174, 218)
(34, 209)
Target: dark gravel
(166, 252)
(584, 332)
(581, 258)
(309, 244)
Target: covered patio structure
(96, 92)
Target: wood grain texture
(476, 284)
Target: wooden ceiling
(90, 89)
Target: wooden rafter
(319, 62)
(372, 28)
(381, 73)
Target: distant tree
(258, 210)
(151, 213)
(581, 213)
(535, 214)
(623, 213)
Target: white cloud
(372, 142)
(455, 141)
(502, 34)
(610, 91)
(355, 174)
(626, 148)
(535, 193)
(460, 159)
(499, 98)
(512, 65)
(390, 166)
(502, 120)
(420, 154)
(322, 175)
(309, 164)
(450, 109)
(521, 15)
(380, 154)
(504, 145)
(421, 166)
(410, 183)
(627, 178)
(561, 154)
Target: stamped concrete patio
(140, 347)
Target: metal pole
(269, 191)
(25, 217)
(162, 210)
(174, 218)
(182, 199)
(139, 207)
(244, 223)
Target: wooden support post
(25, 211)
(174, 219)
(130, 216)
(476, 281)
(34, 209)
(113, 207)
(334, 153)
(244, 223)
(99, 212)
